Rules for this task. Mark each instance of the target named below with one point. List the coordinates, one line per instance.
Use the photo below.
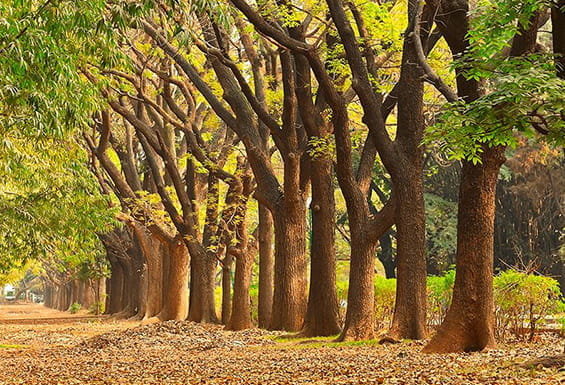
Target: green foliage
(495, 22)
(524, 93)
(441, 231)
(50, 207)
(524, 301)
(526, 96)
(321, 147)
(96, 308)
(385, 295)
(74, 308)
(42, 48)
(18, 272)
(440, 291)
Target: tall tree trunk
(107, 293)
(289, 298)
(409, 319)
(241, 308)
(360, 316)
(165, 268)
(86, 294)
(116, 287)
(266, 267)
(66, 296)
(141, 285)
(142, 295)
(47, 295)
(175, 304)
(226, 288)
(322, 314)
(100, 295)
(56, 297)
(75, 291)
(128, 279)
(202, 285)
(469, 323)
(151, 284)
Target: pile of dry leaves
(175, 335)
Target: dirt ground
(44, 346)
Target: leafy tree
(515, 99)
(50, 207)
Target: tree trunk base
(389, 340)
(150, 321)
(136, 317)
(308, 332)
(459, 339)
(416, 331)
(356, 334)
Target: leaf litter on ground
(178, 352)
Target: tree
(469, 324)
(287, 202)
(51, 210)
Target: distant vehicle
(10, 296)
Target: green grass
(289, 342)
(13, 346)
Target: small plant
(524, 302)
(96, 308)
(74, 308)
(440, 290)
(385, 297)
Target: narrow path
(25, 310)
(32, 314)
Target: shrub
(254, 294)
(523, 302)
(385, 296)
(96, 308)
(342, 287)
(440, 290)
(74, 308)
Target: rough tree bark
(241, 309)
(243, 249)
(289, 297)
(227, 263)
(175, 302)
(266, 267)
(469, 323)
(322, 314)
(409, 320)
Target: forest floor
(59, 348)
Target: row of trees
(218, 115)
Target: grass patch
(289, 342)
(288, 338)
(2, 346)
